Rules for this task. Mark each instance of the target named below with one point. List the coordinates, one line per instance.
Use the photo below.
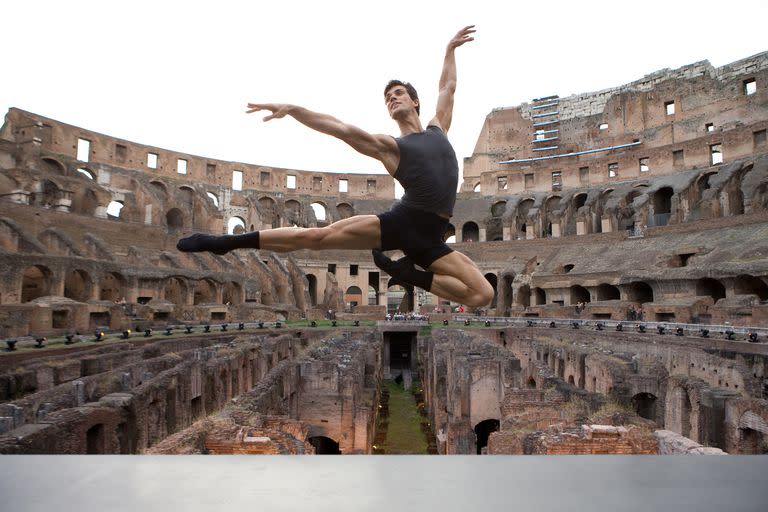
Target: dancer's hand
(461, 37)
(278, 109)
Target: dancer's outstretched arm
(381, 147)
(447, 86)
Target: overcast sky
(178, 75)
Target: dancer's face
(398, 101)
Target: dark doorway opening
(94, 439)
(99, 319)
(400, 347)
(324, 445)
(483, 430)
(645, 405)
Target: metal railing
(626, 325)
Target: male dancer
(424, 163)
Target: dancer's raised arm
(448, 79)
(380, 147)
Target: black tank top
(428, 171)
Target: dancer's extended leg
(358, 232)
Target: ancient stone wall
(573, 378)
(661, 124)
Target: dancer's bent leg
(403, 270)
(457, 278)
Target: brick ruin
(650, 197)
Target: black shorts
(419, 234)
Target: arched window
(710, 288)
(493, 280)
(344, 210)
(579, 294)
(450, 234)
(174, 220)
(35, 282)
(85, 172)
(320, 211)
(235, 226)
(608, 292)
(77, 285)
(470, 232)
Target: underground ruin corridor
(476, 390)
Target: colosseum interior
(625, 232)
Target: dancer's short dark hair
(409, 88)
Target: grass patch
(404, 435)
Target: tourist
(424, 163)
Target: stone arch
(578, 201)
(213, 198)
(78, 285)
(50, 194)
(95, 440)
(354, 296)
(174, 220)
(707, 287)
(607, 291)
(344, 210)
(268, 212)
(160, 188)
(506, 294)
(571, 380)
(53, 165)
(477, 187)
(293, 212)
(551, 206)
(470, 232)
(449, 236)
(232, 293)
(539, 296)
(760, 198)
(524, 296)
(644, 405)
(312, 289)
(494, 228)
(399, 298)
(530, 383)
(85, 173)
(679, 411)
(753, 434)
(662, 206)
(35, 282)
(745, 284)
(498, 208)
(493, 280)
(521, 219)
(175, 290)
(112, 287)
(321, 213)
(324, 445)
(483, 430)
(703, 182)
(204, 292)
(186, 195)
(84, 201)
(235, 225)
(640, 291)
(579, 294)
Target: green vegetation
(404, 434)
